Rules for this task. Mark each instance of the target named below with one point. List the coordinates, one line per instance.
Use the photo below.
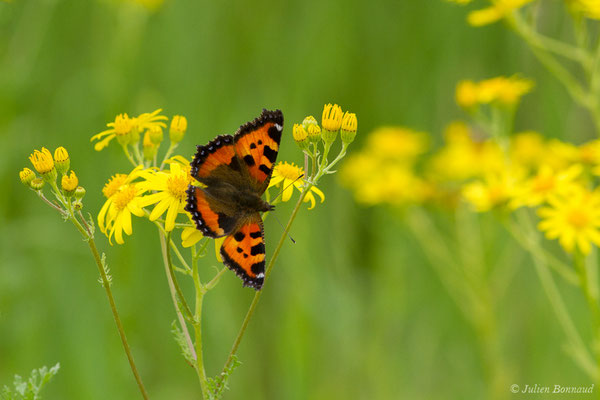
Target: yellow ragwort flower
(498, 10)
(42, 161)
(300, 136)
(126, 128)
(528, 149)
(332, 117)
(123, 199)
(170, 192)
(494, 190)
(178, 128)
(287, 176)
(546, 183)
(69, 183)
(501, 90)
(573, 219)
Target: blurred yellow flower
(123, 199)
(288, 176)
(573, 219)
(502, 90)
(588, 8)
(464, 157)
(546, 183)
(170, 196)
(178, 128)
(127, 128)
(396, 143)
(528, 149)
(498, 10)
(494, 190)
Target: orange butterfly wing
(257, 145)
(244, 252)
(209, 220)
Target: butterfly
(235, 171)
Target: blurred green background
(353, 310)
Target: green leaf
(30, 389)
(218, 385)
(183, 345)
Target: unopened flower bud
(300, 136)
(156, 134)
(69, 183)
(178, 128)
(37, 184)
(62, 161)
(79, 193)
(331, 122)
(349, 126)
(26, 176)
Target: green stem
(113, 307)
(170, 150)
(580, 352)
(184, 328)
(128, 155)
(213, 282)
(180, 295)
(256, 298)
(200, 291)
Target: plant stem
(180, 295)
(113, 307)
(200, 291)
(256, 298)
(184, 328)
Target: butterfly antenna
(280, 224)
(283, 190)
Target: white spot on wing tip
(279, 127)
(261, 275)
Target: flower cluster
(69, 194)
(502, 90)
(555, 178)
(497, 10)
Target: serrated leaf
(30, 389)
(183, 345)
(218, 385)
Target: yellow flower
(397, 143)
(26, 175)
(127, 128)
(170, 188)
(502, 90)
(573, 219)
(69, 183)
(332, 117)
(589, 8)
(546, 183)
(464, 156)
(287, 176)
(498, 10)
(300, 136)
(123, 199)
(42, 161)
(491, 192)
(528, 149)
(178, 128)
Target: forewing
(243, 251)
(216, 161)
(257, 145)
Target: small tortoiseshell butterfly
(236, 171)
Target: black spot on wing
(239, 249)
(235, 164)
(257, 249)
(255, 235)
(270, 154)
(252, 145)
(255, 283)
(265, 169)
(249, 160)
(239, 236)
(258, 267)
(274, 134)
(226, 222)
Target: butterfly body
(235, 172)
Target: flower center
(289, 171)
(577, 218)
(177, 185)
(124, 196)
(123, 124)
(113, 185)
